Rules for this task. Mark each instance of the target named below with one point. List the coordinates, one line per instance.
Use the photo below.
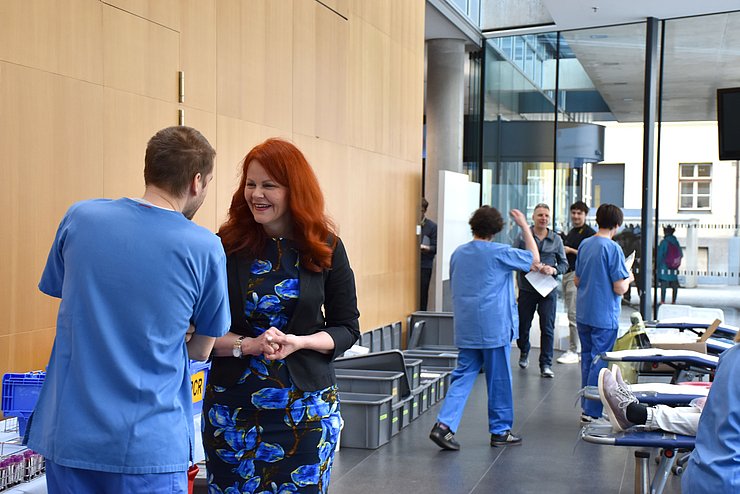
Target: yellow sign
(198, 382)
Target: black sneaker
(505, 439)
(444, 438)
(524, 361)
(547, 372)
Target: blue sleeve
(52, 279)
(211, 315)
(516, 259)
(617, 268)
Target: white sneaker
(568, 358)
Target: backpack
(673, 256)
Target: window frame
(695, 180)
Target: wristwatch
(236, 350)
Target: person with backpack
(669, 258)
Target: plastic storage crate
(198, 378)
(370, 381)
(387, 361)
(20, 392)
(366, 420)
(432, 358)
(413, 371)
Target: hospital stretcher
(657, 393)
(681, 361)
(722, 331)
(669, 445)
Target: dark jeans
(545, 307)
(426, 276)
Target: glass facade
(562, 120)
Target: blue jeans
(495, 362)
(594, 341)
(545, 307)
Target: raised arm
(529, 243)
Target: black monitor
(728, 123)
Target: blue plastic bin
(20, 394)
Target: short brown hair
(609, 216)
(486, 222)
(174, 156)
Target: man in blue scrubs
(143, 288)
(602, 278)
(486, 321)
(714, 465)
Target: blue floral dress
(263, 435)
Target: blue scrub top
(714, 465)
(132, 277)
(599, 264)
(484, 305)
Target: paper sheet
(629, 261)
(543, 283)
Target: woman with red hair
(271, 412)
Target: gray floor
(551, 459)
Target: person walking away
(485, 319)
(578, 233)
(669, 257)
(601, 278)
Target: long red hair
(285, 164)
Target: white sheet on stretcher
(669, 389)
(660, 352)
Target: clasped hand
(276, 345)
(545, 269)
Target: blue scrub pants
(495, 363)
(594, 341)
(67, 480)
(546, 307)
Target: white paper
(543, 283)
(629, 261)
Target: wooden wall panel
(369, 80)
(254, 61)
(60, 37)
(320, 72)
(163, 12)
(142, 56)
(141, 117)
(343, 79)
(198, 53)
(50, 133)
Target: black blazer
(333, 289)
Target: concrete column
(691, 253)
(445, 81)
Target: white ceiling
(578, 14)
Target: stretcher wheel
(677, 470)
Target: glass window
(695, 186)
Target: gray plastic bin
(413, 371)
(438, 329)
(370, 381)
(406, 416)
(376, 337)
(366, 420)
(386, 338)
(433, 358)
(389, 361)
(396, 418)
(396, 335)
(416, 402)
(444, 374)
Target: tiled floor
(551, 459)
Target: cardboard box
(696, 346)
